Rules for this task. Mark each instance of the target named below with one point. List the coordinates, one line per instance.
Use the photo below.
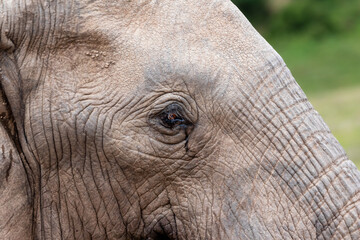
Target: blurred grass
(322, 65)
(328, 70)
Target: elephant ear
(15, 204)
(15, 195)
(9, 82)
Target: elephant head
(159, 119)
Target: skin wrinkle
(57, 160)
(248, 96)
(101, 171)
(323, 231)
(35, 154)
(128, 199)
(118, 205)
(92, 201)
(320, 176)
(282, 153)
(274, 169)
(117, 202)
(256, 137)
(304, 164)
(336, 176)
(268, 147)
(42, 214)
(270, 121)
(342, 213)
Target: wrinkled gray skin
(91, 87)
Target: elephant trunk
(303, 182)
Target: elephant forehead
(154, 40)
(124, 45)
(164, 22)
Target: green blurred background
(320, 42)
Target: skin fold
(159, 119)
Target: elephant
(159, 119)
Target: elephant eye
(171, 119)
(172, 116)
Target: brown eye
(172, 120)
(172, 116)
